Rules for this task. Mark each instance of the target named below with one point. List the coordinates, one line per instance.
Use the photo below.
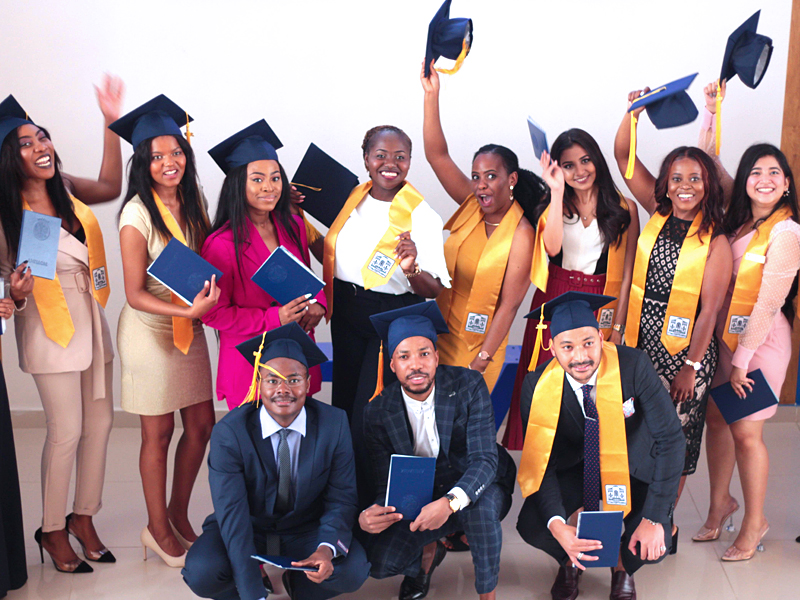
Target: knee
(747, 441)
(64, 431)
(381, 563)
(205, 573)
(354, 570)
(199, 433)
(157, 439)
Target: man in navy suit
(282, 481)
(604, 389)
(446, 413)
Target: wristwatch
(455, 503)
(484, 355)
(695, 365)
(618, 327)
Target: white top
(582, 246)
(365, 228)
(422, 417)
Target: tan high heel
(734, 554)
(710, 535)
(181, 540)
(148, 541)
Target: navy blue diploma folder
(734, 408)
(38, 243)
(285, 278)
(282, 562)
(410, 484)
(182, 270)
(605, 527)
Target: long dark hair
(530, 191)
(612, 219)
(232, 210)
(140, 183)
(711, 205)
(12, 180)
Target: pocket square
(627, 408)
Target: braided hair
(369, 137)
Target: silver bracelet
(653, 523)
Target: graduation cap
(747, 55)
(326, 184)
(570, 310)
(255, 142)
(287, 341)
(667, 106)
(393, 326)
(538, 137)
(12, 115)
(451, 38)
(156, 117)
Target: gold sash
(614, 271)
(49, 296)
(490, 271)
(182, 332)
(748, 279)
(543, 422)
(381, 264)
(686, 285)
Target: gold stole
(491, 268)
(748, 280)
(686, 285)
(182, 332)
(49, 296)
(614, 271)
(381, 263)
(543, 422)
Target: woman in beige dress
(162, 347)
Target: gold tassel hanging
(379, 383)
(632, 151)
(718, 140)
(540, 327)
(189, 134)
(252, 393)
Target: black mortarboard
(423, 319)
(255, 142)
(12, 115)
(325, 183)
(451, 38)
(156, 117)
(747, 54)
(669, 105)
(571, 310)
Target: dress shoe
(734, 554)
(622, 586)
(416, 588)
(565, 587)
(103, 555)
(711, 535)
(148, 541)
(75, 567)
(674, 548)
(181, 540)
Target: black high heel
(674, 549)
(103, 556)
(81, 568)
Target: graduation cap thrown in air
(156, 117)
(451, 38)
(325, 183)
(254, 142)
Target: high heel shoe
(181, 540)
(103, 555)
(148, 541)
(674, 548)
(740, 555)
(71, 567)
(710, 535)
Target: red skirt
(559, 281)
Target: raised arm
(642, 184)
(553, 234)
(707, 140)
(454, 181)
(621, 316)
(108, 185)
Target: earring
(511, 191)
(786, 193)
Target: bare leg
(490, 596)
(198, 420)
(681, 485)
(721, 461)
(156, 436)
(753, 460)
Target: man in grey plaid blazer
(444, 412)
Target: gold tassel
(459, 60)
(379, 383)
(540, 327)
(189, 134)
(718, 143)
(632, 151)
(252, 393)
(313, 189)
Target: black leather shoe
(267, 584)
(287, 584)
(565, 587)
(415, 588)
(674, 548)
(622, 586)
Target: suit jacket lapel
(308, 446)
(570, 402)
(397, 426)
(256, 250)
(266, 454)
(444, 408)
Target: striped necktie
(591, 452)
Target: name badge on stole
(476, 323)
(678, 326)
(606, 319)
(616, 495)
(381, 264)
(738, 324)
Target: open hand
(551, 173)
(110, 95)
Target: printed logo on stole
(616, 495)
(606, 319)
(628, 408)
(678, 327)
(476, 323)
(738, 324)
(381, 264)
(99, 277)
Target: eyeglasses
(273, 383)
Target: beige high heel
(711, 535)
(734, 554)
(181, 540)
(148, 541)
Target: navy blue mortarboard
(747, 54)
(12, 115)
(570, 310)
(325, 183)
(156, 117)
(255, 142)
(451, 38)
(423, 319)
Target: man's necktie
(284, 502)
(591, 452)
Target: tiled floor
(695, 573)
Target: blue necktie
(591, 452)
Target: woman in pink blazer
(253, 218)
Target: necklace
(491, 224)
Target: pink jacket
(245, 310)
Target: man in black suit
(282, 480)
(442, 412)
(640, 420)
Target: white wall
(326, 71)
